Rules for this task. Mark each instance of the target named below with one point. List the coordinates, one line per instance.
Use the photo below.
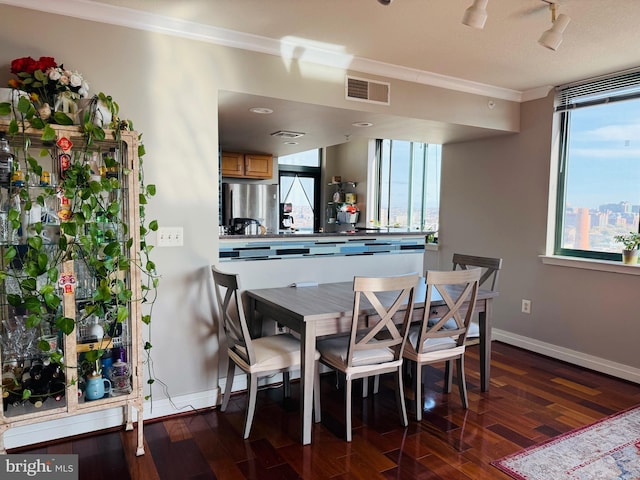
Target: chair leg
(448, 376)
(418, 392)
(251, 406)
(376, 384)
(462, 385)
(365, 387)
(227, 389)
(347, 398)
(317, 411)
(286, 383)
(402, 408)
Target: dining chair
(430, 341)
(489, 280)
(376, 340)
(257, 357)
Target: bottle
(6, 163)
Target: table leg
(484, 321)
(307, 372)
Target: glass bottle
(6, 163)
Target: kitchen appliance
(286, 218)
(245, 226)
(251, 205)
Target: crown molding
(136, 19)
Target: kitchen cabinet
(241, 165)
(36, 388)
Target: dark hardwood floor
(532, 398)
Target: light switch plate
(170, 236)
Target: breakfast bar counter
(296, 245)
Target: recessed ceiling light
(261, 110)
(362, 124)
(291, 143)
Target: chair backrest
(382, 298)
(459, 290)
(227, 286)
(490, 266)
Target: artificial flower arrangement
(51, 87)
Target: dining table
(317, 310)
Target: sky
(605, 151)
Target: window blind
(611, 88)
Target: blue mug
(96, 387)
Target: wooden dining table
(326, 309)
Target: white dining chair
(257, 357)
(375, 343)
(430, 341)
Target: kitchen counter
(322, 244)
(368, 232)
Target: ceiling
(421, 38)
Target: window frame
(600, 91)
(377, 197)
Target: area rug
(605, 450)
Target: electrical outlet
(526, 306)
(170, 236)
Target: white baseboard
(571, 356)
(113, 417)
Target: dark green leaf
(32, 321)
(153, 225)
(62, 118)
(32, 304)
(44, 345)
(65, 324)
(5, 108)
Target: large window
(407, 193)
(599, 167)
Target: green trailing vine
(91, 231)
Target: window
(299, 180)
(407, 184)
(599, 168)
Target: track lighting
(552, 38)
(476, 15)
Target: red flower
(29, 65)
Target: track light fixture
(552, 38)
(476, 15)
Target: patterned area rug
(606, 450)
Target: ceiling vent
(286, 134)
(363, 90)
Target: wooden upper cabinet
(232, 164)
(258, 166)
(241, 165)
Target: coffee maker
(286, 219)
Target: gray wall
(494, 202)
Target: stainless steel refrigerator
(251, 201)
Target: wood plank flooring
(532, 398)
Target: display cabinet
(70, 330)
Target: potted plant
(82, 236)
(631, 241)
